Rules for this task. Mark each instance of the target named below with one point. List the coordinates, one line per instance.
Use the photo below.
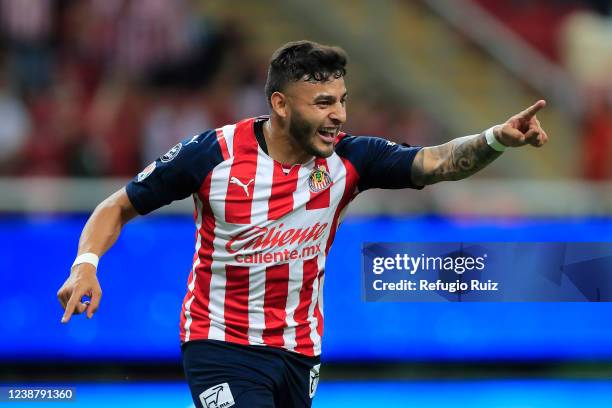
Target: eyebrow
(328, 97)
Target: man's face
(316, 111)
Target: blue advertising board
(144, 279)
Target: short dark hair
(304, 60)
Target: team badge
(146, 172)
(172, 153)
(319, 179)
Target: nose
(338, 113)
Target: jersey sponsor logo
(217, 396)
(261, 238)
(172, 153)
(314, 380)
(319, 179)
(146, 172)
(277, 257)
(245, 187)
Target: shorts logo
(217, 396)
(319, 179)
(146, 172)
(314, 380)
(172, 153)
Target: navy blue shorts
(223, 375)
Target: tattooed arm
(464, 156)
(455, 160)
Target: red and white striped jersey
(263, 229)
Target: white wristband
(492, 140)
(89, 258)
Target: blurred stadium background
(91, 91)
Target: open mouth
(327, 134)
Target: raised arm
(464, 156)
(100, 233)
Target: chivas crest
(319, 179)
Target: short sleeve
(380, 163)
(175, 175)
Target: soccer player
(269, 193)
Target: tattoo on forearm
(454, 160)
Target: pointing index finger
(532, 110)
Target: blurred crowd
(102, 87)
(577, 34)
(99, 87)
(94, 88)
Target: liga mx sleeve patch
(172, 153)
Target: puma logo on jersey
(234, 180)
(193, 140)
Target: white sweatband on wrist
(89, 258)
(492, 140)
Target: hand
(523, 128)
(81, 282)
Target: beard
(304, 133)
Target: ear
(278, 100)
